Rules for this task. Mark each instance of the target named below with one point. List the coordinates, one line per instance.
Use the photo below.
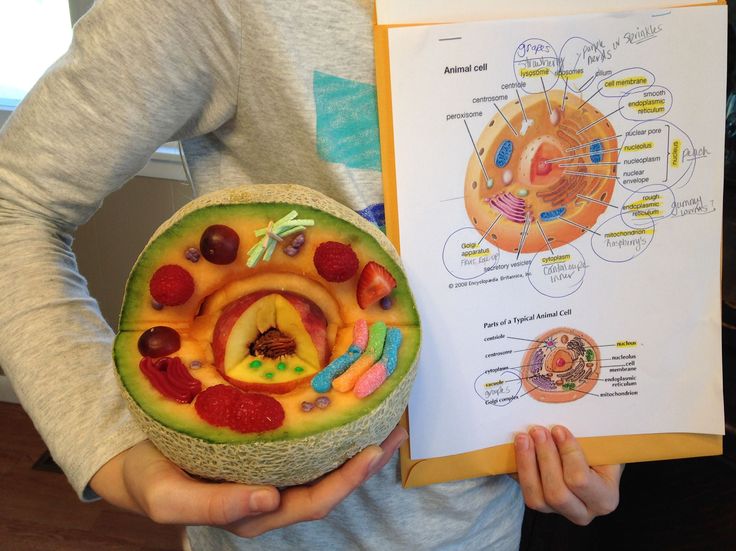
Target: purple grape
(159, 341)
(219, 244)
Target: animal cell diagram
(535, 168)
(562, 366)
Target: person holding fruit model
(258, 92)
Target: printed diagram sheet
(559, 185)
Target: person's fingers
(557, 495)
(528, 473)
(169, 496)
(389, 446)
(314, 502)
(598, 493)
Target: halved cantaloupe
(264, 329)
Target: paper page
(559, 186)
(397, 12)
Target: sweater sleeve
(137, 74)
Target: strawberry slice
(375, 282)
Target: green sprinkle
(255, 364)
(281, 366)
(298, 369)
(522, 192)
(268, 375)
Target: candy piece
(171, 285)
(360, 334)
(171, 378)
(373, 351)
(381, 370)
(292, 249)
(307, 406)
(273, 234)
(322, 402)
(322, 381)
(370, 380)
(192, 254)
(386, 303)
(336, 262)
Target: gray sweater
(259, 92)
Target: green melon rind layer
(278, 463)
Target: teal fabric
(347, 122)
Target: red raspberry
(256, 413)
(215, 403)
(227, 406)
(171, 285)
(335, 261)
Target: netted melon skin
(291, 461)
(280, 463)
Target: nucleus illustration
(562, 366)
(541, 173)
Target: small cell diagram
(559, 366)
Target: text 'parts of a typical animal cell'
(561, 365)
(571, 158)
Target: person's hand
(140, 479)
(555, 476)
